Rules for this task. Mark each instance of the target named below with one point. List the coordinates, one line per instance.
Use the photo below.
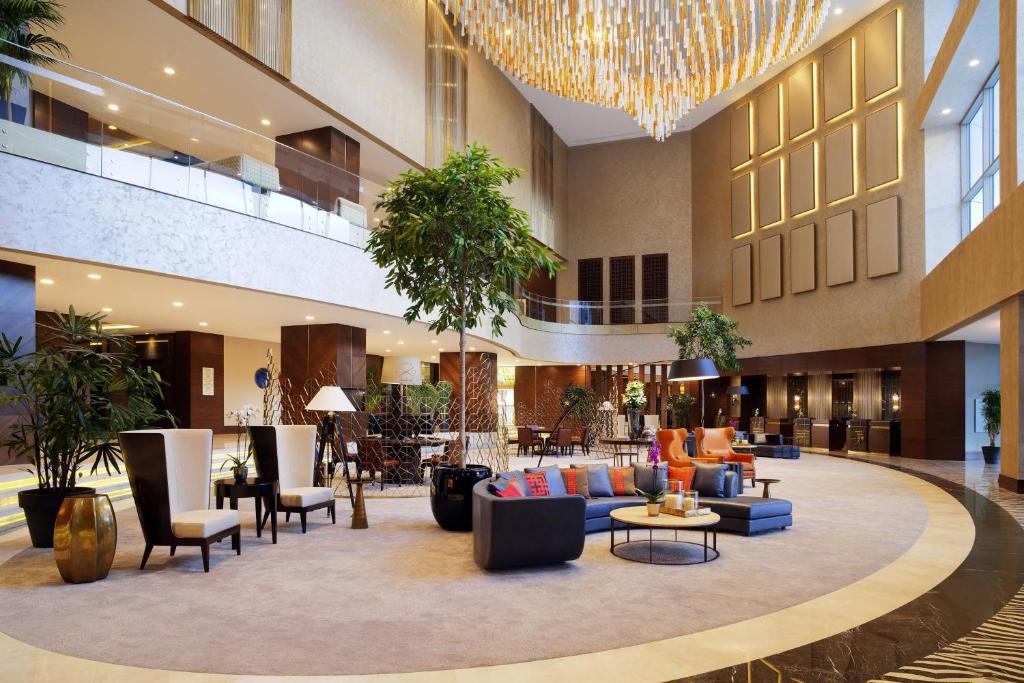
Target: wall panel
(881, 55)
(741, 276)
(802, 258)
(769, 193)
(769, 119)
(882, 146)
(883, 236)
(742, 190)
(839, 249)
(770, 267)
(837, 81)
(839, 164)
(803, 189)
(801, 103)
(740, 138)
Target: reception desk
(884, 436)
(857, 435)
(828, 434)
(779, 425)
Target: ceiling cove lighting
(652, 59)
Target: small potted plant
(239, 459)
(654, 500)
(635, 400)
(991, 411)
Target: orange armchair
(715, 443)
(672, 450)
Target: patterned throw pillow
(505, 488)
(538, 483)
(622, 481)
(681, 474)
(575, 482)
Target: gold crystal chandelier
(653, 59)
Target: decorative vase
(636, 422)
(991, 454)
(41, 506)
(85, 538)
(241, 473)
(451, 494)
(653, 509)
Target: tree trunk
(10, 108)
(462, 395)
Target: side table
(260, 491)
(767, 483)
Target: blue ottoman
(749, 515)
(787, 451)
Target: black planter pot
(41, 506)
(991, 454)
(451, 495)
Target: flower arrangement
(634, 396)
(757, 412)
(240, 457)
(654, 453)
(733, 423)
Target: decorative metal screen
(622, 289)
(262, 28)
(654, 282)
(446, 86)
(591, 291)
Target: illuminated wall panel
(837, 81)
(882, 141)
(741, 278)
(769, 133)
(770, 271)
(801, 101)
(883, 229)
(839, 249)
(802, 259)
(839, 164)
(769, 193)
(740, 133)
(881, 55)
(802, 190)
(742, 196)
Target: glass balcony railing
(574, 316)
(78, 119)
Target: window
(622, 289)
(979, 141)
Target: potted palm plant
(991, 411)
(453, 244)
(22, 36)
(72, 395)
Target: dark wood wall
(17, 320)
(314, 182)
(59, 118)
(194, 351)
(544, 286)
(477, 362)
(533, 383)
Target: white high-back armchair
(287, 453)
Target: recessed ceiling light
(194, 139)
(107, 309)
(837, 11)
(945, 111)
(113, 107)
(433, 357)
(94, 276)
(472, 348)
(119, 326)
(440, 350)
(265, 122)
(433, 341)
(45, 281)
(401, 342)
(177, 304)
(203, 323)
(310, 317)
(387, 331)
(974, 62)
(169, 70)
(111, 127)
(387, 350)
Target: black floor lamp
(331, 400)
(693, 369)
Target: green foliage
(635, 396)
(709, 335)
(73, 395)
(429, 398)
(19, 21)
(992, 412)
(582, 399)
(374, 391)
(652, 497)
(680, 405)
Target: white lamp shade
(402, 370)
(331, 399)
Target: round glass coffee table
(636, 518)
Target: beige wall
(366, 60)
(242, 358)
(630, 197)
(864, 313)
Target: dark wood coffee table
(260, 491)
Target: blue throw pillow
(520, 480)
(709, 479)
(650, 478)
(556, 485)
(598, 481)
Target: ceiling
(582, 124)
(146, 301)
(984, 330)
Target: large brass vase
(84, 538)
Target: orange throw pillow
(622, 481)
(683, 474)
(538, 483)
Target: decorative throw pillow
(622, 481)
(681, 474)
(598, 481)
(709, 480)
(575, 480)
(537, 483)
(556, 486)
(505, 488)
(650, 479)
(519, 478)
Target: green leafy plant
(652, 497)
(708, 334)
(992, 413)
(23, 27)
(451, 241)
(374, 391)
(635, 396)
(680, 405)
(73, 395)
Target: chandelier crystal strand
(653, 59)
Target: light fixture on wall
(894, 403)
(736, 391)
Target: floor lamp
(331, 400)
(693, 369)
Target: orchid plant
(243, 445)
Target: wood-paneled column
(307, 351)
(197, 354)
(482, 378)
(1011, 334)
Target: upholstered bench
(749, 515)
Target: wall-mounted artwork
(742, 286)
(769, 252)
(882, 142)
(800, 102)
(881, 55)
(802, 190)
(769, 193)
(742, 194)
(837, 80)
(839, 265)
(740, 135)
(802, 255)
(769, 121)
(883, 230)
(839, 163)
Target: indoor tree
(453, 243)
(992, 413)
(23, 27)
(712, 335)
